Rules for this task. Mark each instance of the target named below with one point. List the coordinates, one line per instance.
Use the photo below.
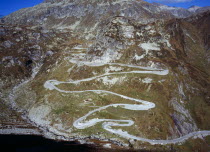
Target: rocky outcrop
(23, 50)
(85, 15)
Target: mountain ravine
(123, 74)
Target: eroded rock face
(122, 52)
(85, 15)
(23, 51)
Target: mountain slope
(137, 82)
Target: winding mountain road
(107, 124)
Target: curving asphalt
(82, 123)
